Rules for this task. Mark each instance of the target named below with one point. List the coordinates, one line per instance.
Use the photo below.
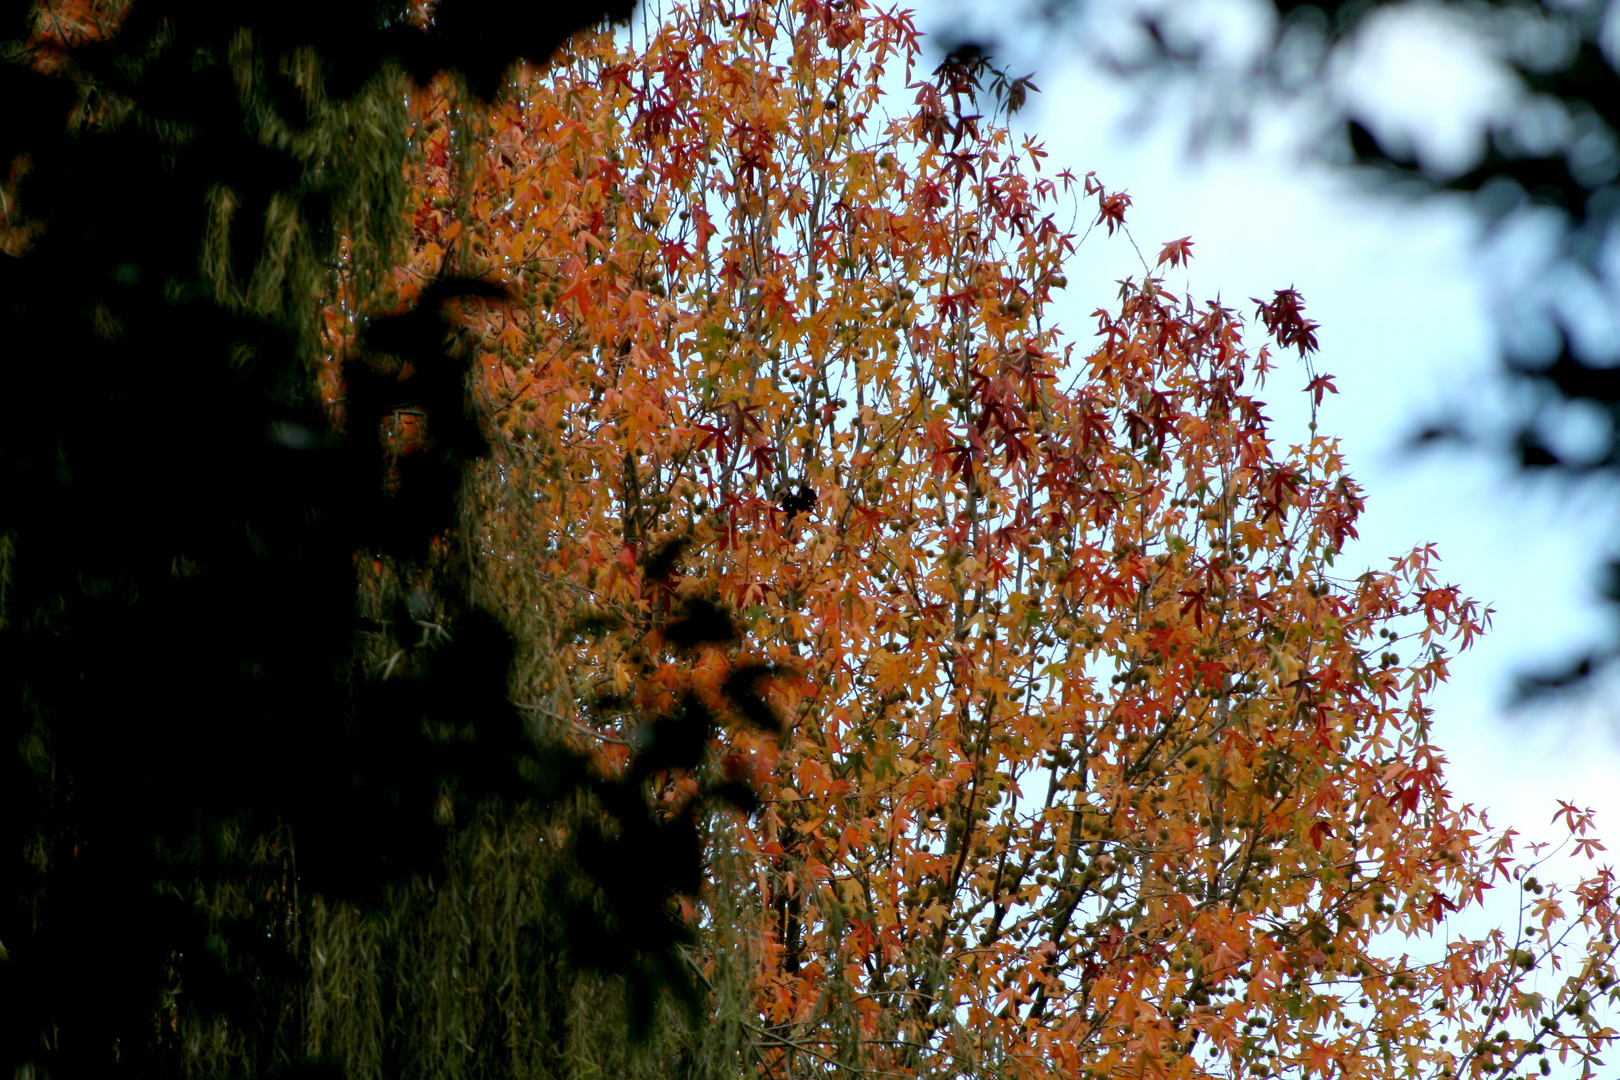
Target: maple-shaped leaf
(1320, 385)
(1176, 252)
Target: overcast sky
(1405, 294)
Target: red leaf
(1319, 385)
(1285, 318)
(1177, 252)
(1112, 209)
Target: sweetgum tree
(1082, 753)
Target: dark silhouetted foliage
(239, 661)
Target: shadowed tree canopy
(203, 567)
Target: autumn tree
(1095, 758)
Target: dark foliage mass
(183, 532)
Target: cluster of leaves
(1092, 764)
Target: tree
(205, 782)
(1091, 760)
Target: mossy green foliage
(471, 975)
